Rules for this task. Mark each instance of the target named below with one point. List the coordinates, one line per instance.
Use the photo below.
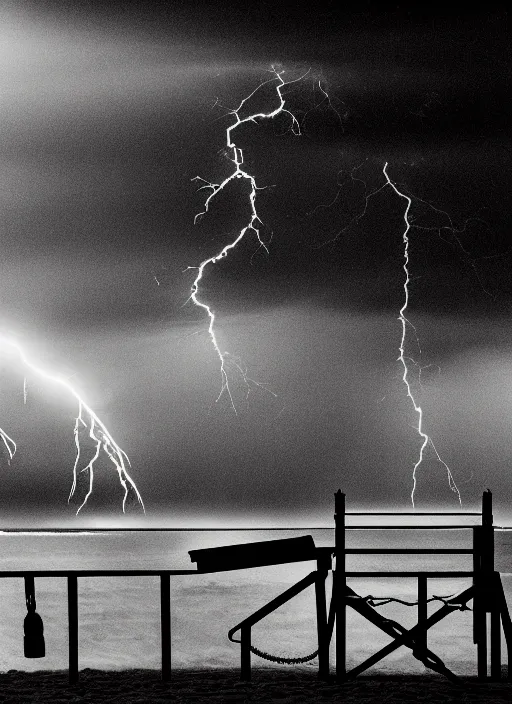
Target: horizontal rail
(87, 531)
(408, 527)
(409, 551)
(94, 573)
(413, 513)
(158, 530)
(414, 573)
(158, 573)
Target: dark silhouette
(33, 640)
(486, 592)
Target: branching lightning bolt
(426, 440)
(86, 423)
(226, 359)
(405, 322)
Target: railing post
(421, 640)
(73, 628)
(488, 537)
(491, 605)
(479, 615)
(339, 586)
(165, 625)
(245, 653)
(321, 621)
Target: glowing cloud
(87, 425)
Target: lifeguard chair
(486, 592)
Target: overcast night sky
(108, 113)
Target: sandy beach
(285, 686)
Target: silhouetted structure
(486, 591)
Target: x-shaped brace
(410, 638)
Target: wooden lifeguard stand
(486, 592)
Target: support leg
(495, 645)
(481, 644)
(245, 654)
(321, 624)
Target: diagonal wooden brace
(409, 638)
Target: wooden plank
(264, 552)
(73, 628)
(165, 625)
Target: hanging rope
(377, 601)
(30, 593)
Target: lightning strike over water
(227, 361)
(405, 323)
(87, 424)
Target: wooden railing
(72, 577)
(486, 590)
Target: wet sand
(285, 686)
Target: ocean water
(119, 618)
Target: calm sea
(119, 617)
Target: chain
(283, 661)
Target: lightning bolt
(229, 363)
(426, 440)
(405, 323)
(87, 424)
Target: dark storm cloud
(109, 114)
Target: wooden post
(339, 586)
(73, 628)
(476, 579)
(245, 653)
(488, 538)
(495, 644)
(321, 621)
(479, 615)
(484, 601)
(492, 602)
(165, 625)
(422, 612)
